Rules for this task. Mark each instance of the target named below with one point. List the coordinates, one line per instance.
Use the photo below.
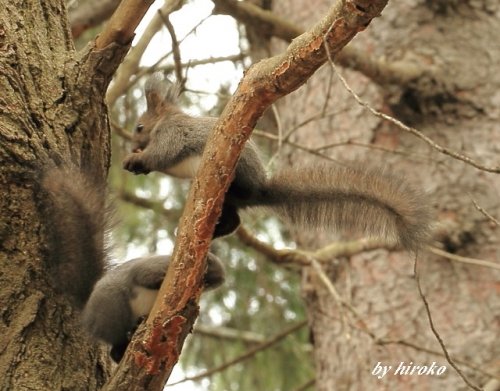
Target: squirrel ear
(153, 90)
(160, 92)
(153, 100)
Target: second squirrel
(77, 220)
(126, 294)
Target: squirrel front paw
(134, 162)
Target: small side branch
(435, 332)
(245, 356)
(303, 258)
(122, 24)
(409, 129)
(131, 63)
(486, 214)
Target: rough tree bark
(52, 112)
(458, 108)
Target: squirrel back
(77, 221)
(125, 295)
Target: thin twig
(147, 203)
(333, 292)
(314, 117)
(327, 95)
(228, 333)
(295, 145)
(175, 47)
(434, 331)
(245, 356)
(192, 63)
(120, 131)
(458, 258)
(490, 217)
(280, 135)
(439, 353)
(407, 128)
(131, 64)
(318, 150)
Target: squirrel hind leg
(229, 221)
(118, 351)
(215, 273)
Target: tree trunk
(457, 106)
(51, 113)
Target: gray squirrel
(124, 296)
(113, 302)
(357, 198)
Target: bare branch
(412, 130)
(488, 216)
(122, 24)
(245, 356)
(435, 332)
(303, 258)
(146, 203)
(175, 47)
(230, 334)
(203, 61)
(156, 346)
(120, 131)
(131, 63)
(458, 258)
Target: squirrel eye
(139, 128)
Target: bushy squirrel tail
(360, 199)
(78, 220)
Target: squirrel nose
(136, 150)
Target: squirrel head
(161, 98)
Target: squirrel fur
(355, 198)
(77, 220)
(114, 302)
(124, 296)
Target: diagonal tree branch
(131, 63)
(156, 346)
(122, 24)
